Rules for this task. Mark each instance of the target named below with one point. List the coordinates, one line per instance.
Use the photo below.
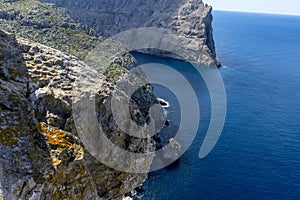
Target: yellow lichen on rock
(78, 152)
(59, 139)
(54, 137)
(49, 163)
(54, 159)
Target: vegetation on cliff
(46, 24)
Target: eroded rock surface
(41, 155)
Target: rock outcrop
(190, 18)
(41, 155)
(73, 25)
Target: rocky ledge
(41, 155)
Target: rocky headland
(190, 18)
(41, 52)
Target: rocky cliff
(41, 155)
(73, 25)
(190, 18)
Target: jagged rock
(81, 19)
(190, 18)
(36, 85)
(41, 155)
(172, 151)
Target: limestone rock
(41, 155)
(190, 18)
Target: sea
(258, 153)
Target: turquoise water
(258, 153)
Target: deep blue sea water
(258, 153)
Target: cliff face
(72, 26)
(36, 85)
(191, 18)
(41, 156)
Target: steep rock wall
(41, 156)
(191, 18)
